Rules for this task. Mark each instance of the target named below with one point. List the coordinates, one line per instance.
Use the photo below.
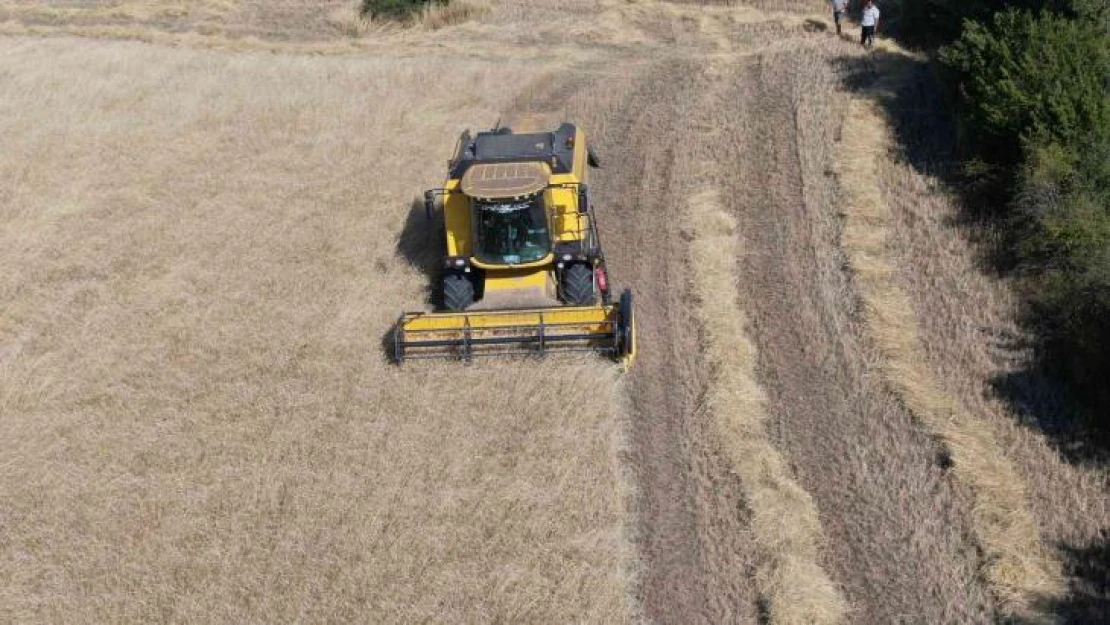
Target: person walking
(870, 24)
(839, 7)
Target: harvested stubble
(786, 528)
(897, 541)
(1017, 568)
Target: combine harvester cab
(524, 271)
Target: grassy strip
(785, 524)
(1017, 569)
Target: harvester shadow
(420, 244)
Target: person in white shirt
(870, 23)
(839, 7)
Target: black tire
(578, 285)
(458, 291)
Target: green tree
(1032, 92)
(1026, 79)
(1064, 208)
(933, 23)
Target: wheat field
(200, 258)
(209, 222)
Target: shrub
(1030, 79)
(1064, 208)
(1032, 91)
(396, 9)
(933, 23)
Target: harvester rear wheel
(578, 285)
(458, 291)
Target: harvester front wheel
(458, 291)
(578, 285)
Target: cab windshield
(512, 233)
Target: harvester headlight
(566, 257)
(459, 262)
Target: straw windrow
(786, 528)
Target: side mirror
(583, 200)
(429, 204)
(591, 158)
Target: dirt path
(691, 518)
(896, 524)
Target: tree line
(1029, 83)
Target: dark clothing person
(867, 36)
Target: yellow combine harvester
(524, 271)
